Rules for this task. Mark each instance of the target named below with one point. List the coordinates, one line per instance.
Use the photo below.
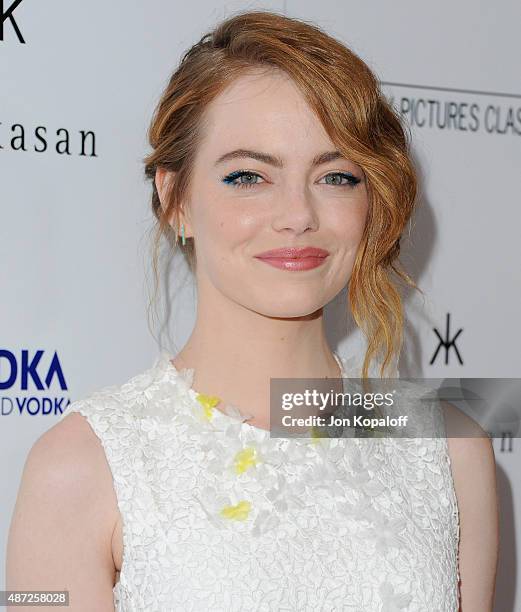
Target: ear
(163, 181)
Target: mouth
(294, 258)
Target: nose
(296, 212)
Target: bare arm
(61, 529)
(474, 474)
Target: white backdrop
(73, 232)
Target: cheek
(349, 224)
(222, 228)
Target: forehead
(265, 108)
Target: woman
(168, 493)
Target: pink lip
(293, 258)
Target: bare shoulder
(70, 457)
(471, 453)
(473, 468)
(66, 505)
(88, 468)
(72, 449)
(460, 425)
(468, 442)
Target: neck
(235, 351)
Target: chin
(282, 307)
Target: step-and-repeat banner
(78, 85)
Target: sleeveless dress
(218, 516)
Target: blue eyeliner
(233, 176)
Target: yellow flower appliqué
(239, 512)
(316, 434)
(245, 458)
(208, 402)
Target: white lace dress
(218, 516)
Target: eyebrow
(272, 160)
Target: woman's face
(242, 206)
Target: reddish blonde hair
(346, 97)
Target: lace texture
(218, 516)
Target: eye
(250, 179)
(337, 177)
(231, 179)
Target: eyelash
(233, 176)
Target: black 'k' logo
(447, 343)
(8, 14)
